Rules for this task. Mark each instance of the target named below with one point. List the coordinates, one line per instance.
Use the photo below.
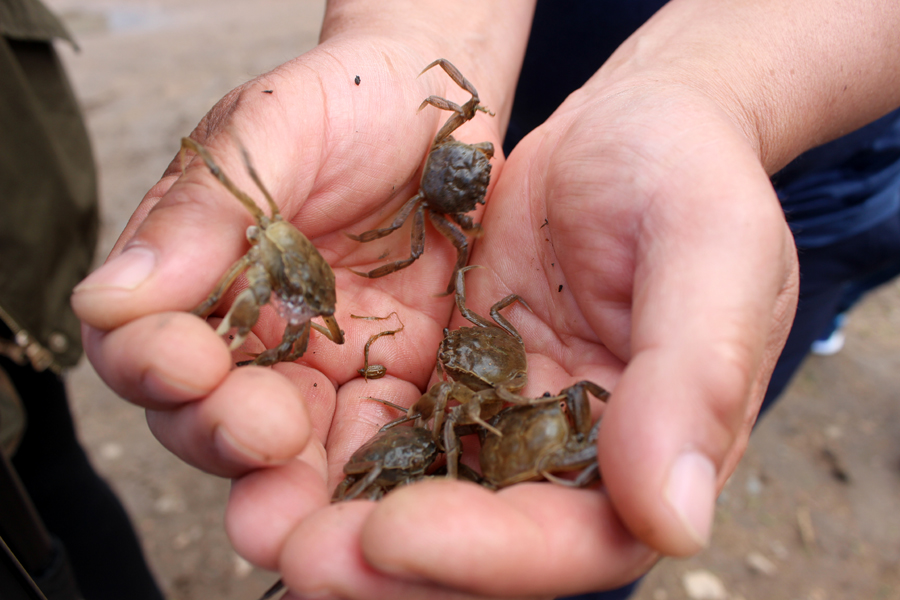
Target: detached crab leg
(376, 371)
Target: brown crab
(455, 179)
(395, 456)
(472, 410)
(280, 261)
(486, 367)
(544, 439)
(487, 356)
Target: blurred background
(812, 513)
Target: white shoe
(829, 346)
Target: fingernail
(232, 450)
(125, 272)
(691, 492)
(164, 388)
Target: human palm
(338, 158)
(645, 236)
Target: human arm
(654, 181)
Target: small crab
(393, 457)
(486, 366)
(541, 440)
(487, 356)
(455, 179)
(433, 405)
(281, 260)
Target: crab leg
(208, 305)
(247, 201)
(270, 593)
(463, 113)
(276, 214)
(360, 486)
(459, 242)
(333, 333)
(416, 249)
(477, 319)
(399, 220)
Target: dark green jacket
(48, 190)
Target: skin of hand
(664, 248)
(664, 270)
(678, 284)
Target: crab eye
(253, 234)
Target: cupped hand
(642, 230)
(339, 157)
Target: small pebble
(242, 568)
(111, 451)
(817, 594)
(703, 585)
(760, 564)
(168, 504)
(779, 550)
(805, 525)
(833, 432)
(754, 485)
(187, 537)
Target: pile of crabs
(482, 369)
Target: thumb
(663, 445)
(710, 316)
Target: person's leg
(859, 288)
(825, 276)
(831, 339)
(75, 503)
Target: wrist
(484, 40)
(791, 75)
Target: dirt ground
(811, 513)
